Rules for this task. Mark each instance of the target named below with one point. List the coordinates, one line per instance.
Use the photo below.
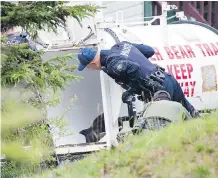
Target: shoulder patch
(120, 67)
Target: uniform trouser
(174, 89)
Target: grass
(188, 149)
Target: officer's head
(89, 58)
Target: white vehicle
(186, 49)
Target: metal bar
(169, 18)
(209, 13)
(103, 25)
(139, 18)
(140, 23)
(67, 47)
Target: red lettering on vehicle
(183, 52)
(190, 70)
(207, 48)
(215, 49)
(176, 52)
(169, 53)
(157, 54)
(190, 51)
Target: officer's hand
(195, 114)
(127, 97)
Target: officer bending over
(127, 63)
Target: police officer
(127, 63)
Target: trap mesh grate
(209, 78)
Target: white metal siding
(130, 9)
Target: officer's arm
(146, 50)
(124, 69)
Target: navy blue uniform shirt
(127, 63)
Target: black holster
(154, 83)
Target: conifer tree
(33, 16)
(22, 66)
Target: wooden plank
(177, 3)
(209, 13)
(193, 12)
(202, 8)
(216, 15)
(194, 4)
